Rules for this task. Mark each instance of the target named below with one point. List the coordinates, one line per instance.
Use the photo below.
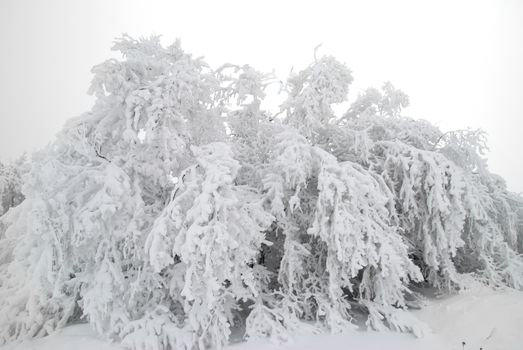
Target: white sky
(461, 62)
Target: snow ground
(483, 318)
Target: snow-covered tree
(428, 191)
(179, 212)
(11, 181)
(312, 94)
(92, 196)
(205, 243)
(441, 181)
(492, 233)
(251, 129)
(341, 242)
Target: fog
(460, 62)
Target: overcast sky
(461, 62)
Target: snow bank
(479, 316)
(81, 337)
(76, 337)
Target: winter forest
(181, 213)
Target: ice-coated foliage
(428, 188)
(493, 232)
(313, 91)
(11, 183)
(205, 242)
(179, 213)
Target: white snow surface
(480, 317)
